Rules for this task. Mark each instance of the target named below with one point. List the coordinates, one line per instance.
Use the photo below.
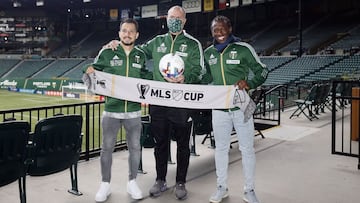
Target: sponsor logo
(229, 61)
(136, 65)
(181, 54)
(8, 83)
(116, 61)
(42, 84)
(212, 60)
(162, 48)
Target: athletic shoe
(180, 191)
(159, 187)
(103, 192)
(220, 194)
(250, 197)
(134, 190)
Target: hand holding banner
(167, 94)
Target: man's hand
(113, 44)
(179, 79)
(242, 84)
(90, 69)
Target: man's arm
(194, 68)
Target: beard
(127, 43)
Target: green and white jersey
(119, 63)
(234, 63)
(184, 45)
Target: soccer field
(15, 100)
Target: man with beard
(127, 61)
(167, 121)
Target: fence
(345, 119)
(91, 113)
(267, 115)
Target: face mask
(174, 25)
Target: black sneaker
(180, 191)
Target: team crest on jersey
(115, 61)
(162, 48)
(233, 54)
(137, 59)
(212, 60)
(183, 47)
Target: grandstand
(58, 68)
(27, 68)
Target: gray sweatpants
(111, 127)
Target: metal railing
(91, 113)
(268, 111)
(270, 106)
(345, 121)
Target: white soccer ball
(171, 66)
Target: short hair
(223, 19)
(178, 7)
(130, 20)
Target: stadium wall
(36, 86)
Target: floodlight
(39, 2)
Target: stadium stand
(76, 72)
(91, 46)
(347, 66)
(6, 65)
(319, 32)
(57, 68)
(298, 68)
(352, 40)
(276, 35)
(28, 67)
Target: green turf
(15, 100)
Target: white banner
(166, 94)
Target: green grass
(15, 100)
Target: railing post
(87, 132)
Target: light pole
(300, 28)
(68, 33)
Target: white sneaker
(134, 190)
(103, 192)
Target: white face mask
(174, 25)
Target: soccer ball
(171, 66)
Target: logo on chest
(116, 61)
(232, 58)
(162, 48)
